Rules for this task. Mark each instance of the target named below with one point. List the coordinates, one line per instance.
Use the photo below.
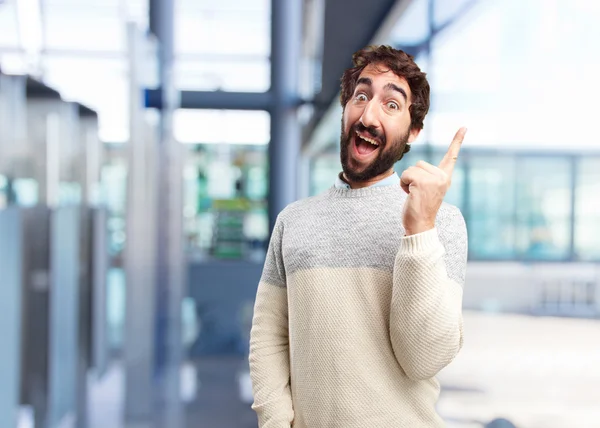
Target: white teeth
(368, 140)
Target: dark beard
(384, 161)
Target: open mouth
(365, 145)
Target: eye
(360, 97)
(392, 105)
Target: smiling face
(376, 125)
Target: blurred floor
(218, 403)
(535, 372)
(106, 399)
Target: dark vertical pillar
(161, 12)
(170, 256)
(516, 219)
(573, 256)
(284, 149)
(466, 199)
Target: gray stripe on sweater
(346, 228)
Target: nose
(369, 115)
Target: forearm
(426, 308)
(269, 358)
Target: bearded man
(360, 301)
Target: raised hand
(426, 186)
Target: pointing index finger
(451, 156)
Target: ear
(414, 133)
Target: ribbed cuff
(420, 242)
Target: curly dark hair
(403, 65)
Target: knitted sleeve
(426, 326)
(269, 342)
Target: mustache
(372, 131)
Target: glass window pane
(543, 238)
(477, 70)
(544, 207)
(413, 26)
(84, 28)
(323, 172)
(99, 83)
(239, 6)
(222, 126)
(230, 74)
(206, 27)
(544, 188)
(225, 201)
(587, 210)
(588, 188)
(587, 238)
(491, 185)
(491, 237)
(114, 185)
(491, 205)
(226, 182)
(447, 9)
(211, 55)
(468, 60)
(9, 36)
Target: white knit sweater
(352, 319)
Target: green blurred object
(229, 241)
(238, 204)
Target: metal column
(284, 149)
(11, 269)
(171, 262)
(139, 252)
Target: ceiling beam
(214, 100)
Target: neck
(367, 183)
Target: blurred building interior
(146, 147)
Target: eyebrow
(392, 87)
(388, 87)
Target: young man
(359, 304)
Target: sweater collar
(392, 180)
